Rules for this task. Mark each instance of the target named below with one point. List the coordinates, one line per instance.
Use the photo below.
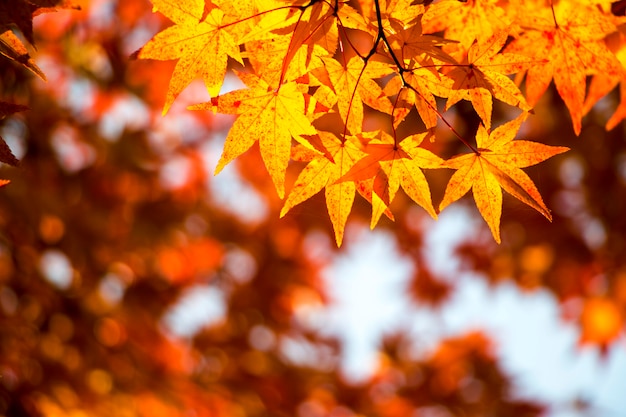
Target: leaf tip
(167, 106)
(279, 185)
(220, 166)
(339, 237)
(495, 232)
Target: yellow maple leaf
(467, 21)
(267, 115)
(317, 25)
(201, 46)
(496, 166)
(410, 44)
(266, 59)
(418, 88)
(396, 13)
(483, 75)
(354, 84)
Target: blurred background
(134, 283)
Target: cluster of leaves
(311, 64)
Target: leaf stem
(401, 70)
(381, 37)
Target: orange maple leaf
(571, 37)
(321, 172)
(602, 83)
(267, 115)
(497, 165)
(201, 46)
(620, 111)
(392, 165)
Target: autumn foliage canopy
(333, 60)
(392, 108)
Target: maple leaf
(483, 75)
(201, 46)
(571, 37)
(262, 57)
(418, 88)
(465, 22)
(317, 26)
(413, 45)
(398, 13)
(419, 80)
(267, 115)
(354, 84)
(393, 165)
(497, 166)
(322, 172)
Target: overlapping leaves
(309, 61)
